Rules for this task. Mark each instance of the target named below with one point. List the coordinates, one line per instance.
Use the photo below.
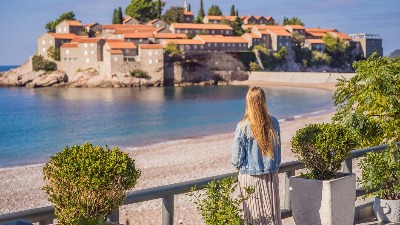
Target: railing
(46, 216)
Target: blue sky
(23, 21)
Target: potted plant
(323, 195)
(381, 173)
(217, 203)
(86, 183)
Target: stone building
(280, 38)
(54, 40)
(194, 28)
(130, 20)
(253, 39)
(315, 44)
(69, 26)
(188, 17)
(157, 23)
(296, 28)
(93, 29)
(186, 45)
(220, 43)
(367, 44)
(218, 19)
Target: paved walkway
(372, 221)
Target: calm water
(37, 123)
(6, 68)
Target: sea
(37, 123)
(7, 68)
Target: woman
(256, 152)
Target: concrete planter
(323, 202)
(387, 210)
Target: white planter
(387, 210)
(323, 202)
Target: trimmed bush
(86, 183)
(323, 148)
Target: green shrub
(39, 63)
(86, 183)
(381, 171)
(54, 53)
(323, 148)
(255, 67)
(140, 74)
(172, 50)
(217, 204)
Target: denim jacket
(247, 156)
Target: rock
(222, 83)
(47, 80)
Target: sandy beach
(161, 164)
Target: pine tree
(201, 14)
(232, 10)
(114, 19)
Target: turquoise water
(37, 123)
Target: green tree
(254, 66)
(237, 13)
(119, 18)
(51, 26)
(174, 15)
(214, 10)
(201, 14)
(298, 39)
(159, 9)
(237, 27)
(172, 50)
(338, 50)
(292, 21)
(369, 102)
(189, 8)
(114, 19)
(144, 10)
(54, 53)
(233, 13)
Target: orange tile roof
(296, 27)
(221, 39)
(201, 26)
(90, 24)
(122, 26)
(85, 40)
(69, 45)
(264, 32)
(169, 36)
(139, 35)
(316, 34)
(121, 45)
(188, 13)
(279, 32)
(268, 17)
(184, 41)
(114, 40)
(252, 35)
(63, 36)
(264, 27)
(151, 46)
(315, 30)
(153, 21)
(74, 23)
(126, 19)
(115, 51)
(315, 41)
(257, 17)
(342, 35)
(230, 18)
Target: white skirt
(263, 206)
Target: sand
(161, 164)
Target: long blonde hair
(261, 124)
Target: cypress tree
(119, 18)
(114, 19)
(189, 10)
(233, 10)
(237, 13)
(200, 16)
(159, 9)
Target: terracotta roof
(296, 27)
(74, 23)
(316, 34)
(264, 32)
(342, 35)
(151, 46)
(139, 35)
(188, 13)
(126, 19)
(169, 36)
(252, 35)
(268, 17)
(230, 18)
(184, 41)
(245, 17)
(90, 24)
(121, 45)
(63, 36)
(280, 32)
(221, 39)
(201, 26)
(153, 21)
(69, 45)
(122, 26)
(114, 40)
(115, 51)
(315, 30)
(264, 27)
(315, 41)
(85, 40)
(257, 17)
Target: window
(229, 44)
(240, 45)
(115, 58)
(156, 61)
(85, 45)
(187, 18)
(51, 41)
(67, 51)
(92, 52)
(287, 37)
(150, 61)
(186, 31)
(43, 42)
(215, 44)
(208, 44)
(44, 49)
(188, 47)
(178, 31)
(157, 25)
(87, 61)
(65, 29)
(140, 40)
(201, 46)
(227, 32)
(287, 44)
(233, 45)
(59, 29)
(92, 45)
(194, 46)
(213, 32)
(156, 52)
(85, 52)
(264, 38)
(150, 53)
(216, 63)
(127, 51)
(223, 44)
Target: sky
(22, 22)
